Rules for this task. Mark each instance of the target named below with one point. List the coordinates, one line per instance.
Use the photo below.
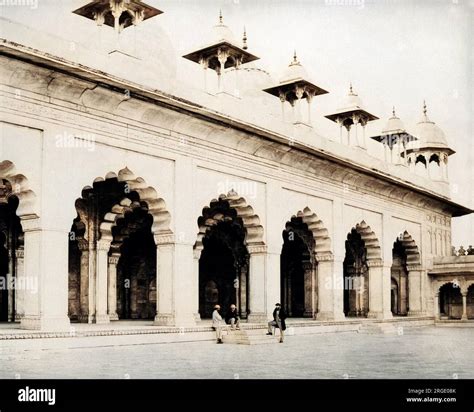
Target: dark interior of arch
(92, 207)
(356, 285)
(450, 301)
(136, 268)
(298, 242)
(224, 262)
(11, 240)
(399, 286)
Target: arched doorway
(297, 270)
(11, 246)
(356, 276)
(450, 301)
(136, 268)
(229, 231)
(113, 238)
(399, 275)
(224, 267)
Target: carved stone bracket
(375, 263)
(164, 239)
(257, 249)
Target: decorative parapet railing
(461, 251)
(459, 263)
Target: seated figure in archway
(232, 317)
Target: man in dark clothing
(278, 321)
(232, 317)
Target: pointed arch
(371, 242)
(410, 247)
(143, 196)
(27, 206)
(218, 211)
(322, 241)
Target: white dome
(429, 134)
(253, 79)
(221, 32)
(294, 71)
(352, 101)
(394, 124)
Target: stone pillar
(20, 285)
(87, 281)
(273, 289)
(165, 248)
(377, 285)
(195, 284)
(46, 278)
(112, 287)
(330, 280)
(464, 305)
(101, 315)
(299, 92)
(402, 295)
(415, 274)
(257, 276)
(183, 283)
(309, 290)
(436, 306)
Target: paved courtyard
(429, 352)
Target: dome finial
(220, 17)
(350, 88)
(295, 59)
(244, 40)
(393, 111)
(424, 107)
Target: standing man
(278, 321)
(217, 323)
(232, 317)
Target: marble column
(257, 298)
(101, 315)
(309, 289)
(87, 302)
(112, 287)
(377, 299)
(415, 274)
(20, 281)
(46, 277)
(464, 305)
(330, 282)
(165, 249)
(436, 306)
(402, 295)
(195, 284)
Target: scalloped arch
(371, 242)
(146, 194)
(411, 249)
(251, 221)
(319, 232)
(27, 206)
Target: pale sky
(394, 52)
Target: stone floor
(426, 352)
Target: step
(379, 327)
(249, 337)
